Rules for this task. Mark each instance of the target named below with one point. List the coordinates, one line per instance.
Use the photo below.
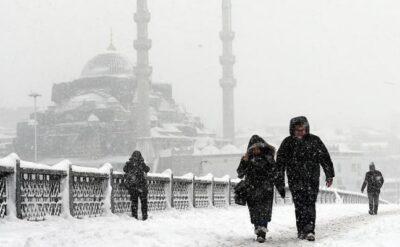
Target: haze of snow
(337, 225)
(326, 59)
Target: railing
(38, 191)
(4, 175)
(326, 196)
(87, 192)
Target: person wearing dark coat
(135, 181)
(374, 180)
(258, 169)
(301, 155)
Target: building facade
(98, 115)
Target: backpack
(377, 181)
(134, 179)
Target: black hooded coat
(135, 173)
(302, 159)
(259, 173)
(373, 180)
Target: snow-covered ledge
(73, 188)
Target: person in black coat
(257, 167)
(135, 181)
(374, 180)
(301, 155)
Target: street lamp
(35, 96)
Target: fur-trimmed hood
(257, 141)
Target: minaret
(142, 70)
(227, 81)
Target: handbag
(241, 193)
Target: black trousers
(304, 203)
(373, 198)
(142, 196)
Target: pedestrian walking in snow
(258, 168)
(300, 155)
(374, 181)
(135, 181)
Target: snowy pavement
(337, 225)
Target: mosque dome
(110, 63)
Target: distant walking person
(301, 155)
(374, 180)
(258, 168)
(135, 181)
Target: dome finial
(111, 47)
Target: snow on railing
(34, 191)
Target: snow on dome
(230, 149)
(93, 118)
(99, 100)
(110, 63)
(112, 100)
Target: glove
(329, 182)
(362, 191)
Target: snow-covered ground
(337, 225)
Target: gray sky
(327, 59)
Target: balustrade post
(18, 199)
(192, 192)
(70, 188)
(229, 191)
(64, 191)
(211, 192)
(112, 198)
(10, 194)
(169, 193)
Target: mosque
(114, 107)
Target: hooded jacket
(135, 170)
(259, 172)
(301, 159)
(374, 180)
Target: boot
(310, 236)
(301, 236)
(261, 232)
(260, 239)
